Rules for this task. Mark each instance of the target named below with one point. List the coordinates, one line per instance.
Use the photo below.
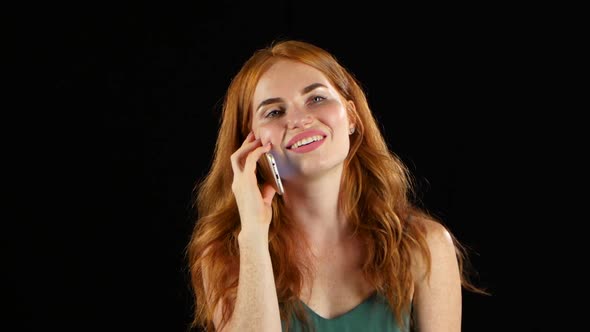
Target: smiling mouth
(306, 141)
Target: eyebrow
(305, 90)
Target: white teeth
(307, 140)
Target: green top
(373, 314)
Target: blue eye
(317, 99)
(273, 113)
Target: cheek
(266, 133)
(336, 117)
(262, 131)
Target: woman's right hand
(254, 206)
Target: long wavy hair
(376, 196)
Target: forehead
(287, 78)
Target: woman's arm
(437, 300)
(256, 307)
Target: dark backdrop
(130, 118)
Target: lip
(305, 134)
(308, 148)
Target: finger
(252, 158)
(268, 192)
(237, 158)
(249, 138)
(234, 162)
(248, 145)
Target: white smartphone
(275, 172)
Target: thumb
(268, 192)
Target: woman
(343, 248)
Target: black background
(128, 120)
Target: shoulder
(437, 235)
(440, 245)
(436, 297)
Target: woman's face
(304, 117)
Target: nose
(299, 118)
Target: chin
(315, 169)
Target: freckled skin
(322, 108)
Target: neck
(313, 204)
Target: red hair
(376, 197)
